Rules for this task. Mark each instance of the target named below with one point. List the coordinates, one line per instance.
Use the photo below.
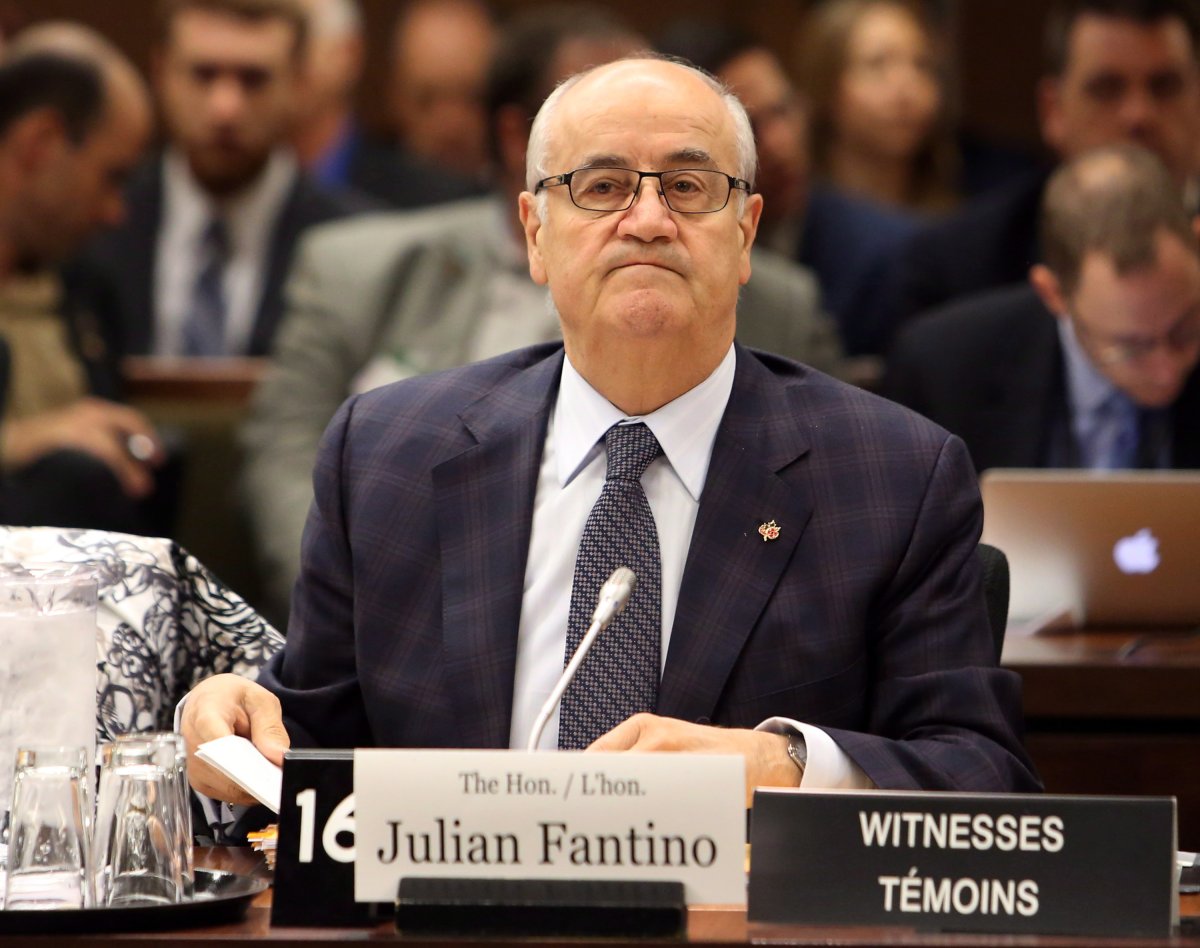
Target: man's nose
(1138, 113)
(649, 218)
(226, 98)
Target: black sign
(314, 868)
(965, 862)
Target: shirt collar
(685, 427)
(249, 214)
(1087, 389)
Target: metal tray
(221, 898)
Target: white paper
(244, 764)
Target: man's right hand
(224, 705)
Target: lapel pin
(769, 531)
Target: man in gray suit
(386, 297)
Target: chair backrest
(995, 592)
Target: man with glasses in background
(808, 593)
(1092, 364)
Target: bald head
(69, 143)
(1116, 200)
(651, 74)
(123, 87)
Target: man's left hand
(767, 761)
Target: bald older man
(808, 592)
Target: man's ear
(1049, 106)
(531, 223)
(1048, 289)
(1196, 226)
(748, 224)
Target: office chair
(995, 592)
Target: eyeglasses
(1184, 336)
(686, 190)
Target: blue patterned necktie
(619, 677)
(204, 326)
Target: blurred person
(1092, 363)
(440, 55)
(450, 550)
(74, 119)
(847, 242)
(1115, 71)
(875, 88)
(394, 296)
(326, 136)
(197, 268)
(329, 141)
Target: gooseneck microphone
(614, 595)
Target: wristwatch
(797, 750)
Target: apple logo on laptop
(1138, 553)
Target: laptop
(1103, 548)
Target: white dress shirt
(250, 216)
(570, 479)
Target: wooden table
(1114, 712)
(708, 926)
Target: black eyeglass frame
(557, 180)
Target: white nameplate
(538, 815)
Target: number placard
(314, 871)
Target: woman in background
(874, 81)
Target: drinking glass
(173, 754)
(47, 661)
(138, 825)
(48, 865)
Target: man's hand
(224, 705)
(103, 429)
(767, 761)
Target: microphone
(614, 595)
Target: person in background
(846, 241)
(197, 268)
(450, 556)
(1092, 363)
(1115, 71)
(74, 119)
(394, 296)
(325, 134)
(332, 146)
(874, 81)
(440, 53)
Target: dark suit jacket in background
(852, 244)
(115, 276)
(989, 243)
(990, 369)
(865, 617)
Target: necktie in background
(204, 326)
(620, 675)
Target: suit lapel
(136, 269)
(484, 508)
(731, 570)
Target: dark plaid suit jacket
(865, 616)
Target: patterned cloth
(164, 622)
(619, 677)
